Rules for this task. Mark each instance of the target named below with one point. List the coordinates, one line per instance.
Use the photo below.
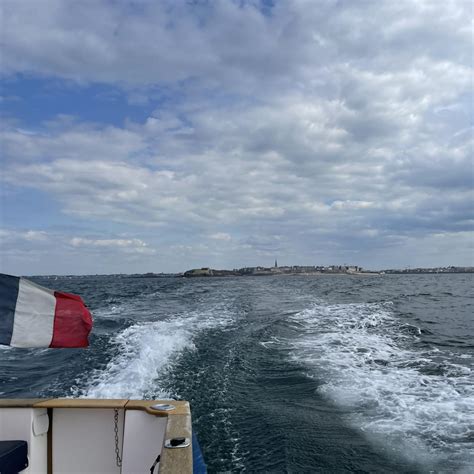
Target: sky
(141, 136)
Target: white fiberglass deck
(85, 436)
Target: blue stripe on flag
(8, 296)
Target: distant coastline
(316, 270)
(275, 271)
(430, 270)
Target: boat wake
(145, 351)
(396, 389)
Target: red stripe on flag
(72, 321)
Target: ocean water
(284, 374)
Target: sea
(285, 374)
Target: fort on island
(276, 270)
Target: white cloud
(228, 42)
(325, 126)
(38, 252)
(126, 245)
(353, 205)
(221, 236)
(69, 140)
(9, 235)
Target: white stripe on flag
(34, 316)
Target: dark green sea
(284, 374)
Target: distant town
(315, 270)
(275, 270)
(283, 270)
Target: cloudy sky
(160, 136)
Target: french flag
(34, 316)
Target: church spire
(276, 263)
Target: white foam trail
(145, 351)
(418, 400)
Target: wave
(145, 351)
(416, 398)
